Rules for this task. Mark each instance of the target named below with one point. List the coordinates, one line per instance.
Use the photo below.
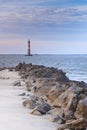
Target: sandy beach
(13, 116)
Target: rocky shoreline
(53, 93)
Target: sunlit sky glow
(53, 26)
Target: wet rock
(57, 119)
(36, 112)
(68, 98)
(43, 86)
(69, 115)
(44, 108)
(33, 89)
(78, 124)
(55, 92)
(56, 111)
(11, 69)
(24, 76)
(41, 108)
(29, 86)
(82, 96)
(17, 83)
(81, 110)
(41, 71)
(22, 94)
(18, 67)
(28, 103)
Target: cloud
(17, 16)
(43, 15)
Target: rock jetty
(53, 93)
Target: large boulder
(67, 100)
(29, 86)
(79, 124)
(41, 108)
(18, 67)
(29, 103)
(56, 91)
(57, 119)
(81, 110)
(44, 108)
(44, 85)
(57, 115)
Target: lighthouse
(28, 53)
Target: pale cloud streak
(20, 18)
(14, 14)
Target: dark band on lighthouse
(29, 48)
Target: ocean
(75, 66)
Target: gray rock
(29, 104)
(22, 94)
(44, 108)
(17, 83)
(33, 89)
(81, 110)
(28, 85)
(57, 119)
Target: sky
(53, 26)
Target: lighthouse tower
(29, 48)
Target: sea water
(75, 66)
